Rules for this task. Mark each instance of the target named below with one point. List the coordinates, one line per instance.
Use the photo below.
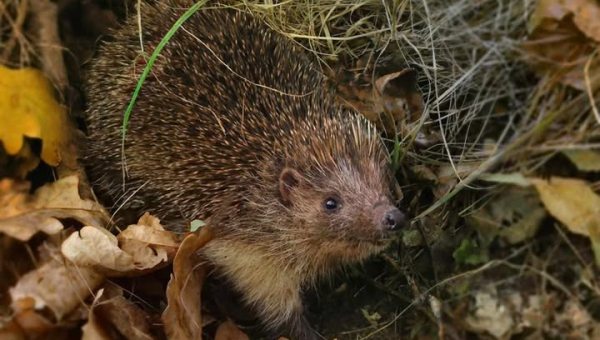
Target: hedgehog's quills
(234, 113)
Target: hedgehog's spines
(204, 135)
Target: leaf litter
(22, 215)
(479, 101)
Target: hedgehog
(235, 120)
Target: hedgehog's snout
(389, 218)
(394, 220)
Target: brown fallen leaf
(574, 204)
(392, 101)
(144, 248)
(10, 330)
(564, 34)
(148, 242)
(32, 324)
(92, 329)
(97, 248)
(182, 316)
(449, 176)
(398, 94)
(57, 286)
(111, 310)
(229, 331)
(585, 14)
(23, 215)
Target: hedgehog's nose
(394, 220)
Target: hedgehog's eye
(331, 204)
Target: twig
(588, 85)
(16, 29)
(45, 14)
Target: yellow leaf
(575, 204)
(584, 160)
(571, 201)
(28, 109)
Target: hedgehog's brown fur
(233, 113)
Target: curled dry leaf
(585, 14)
(28, 109)
(182, 315)
(392, 100)
(57, 286)
(143, 248)
(111, 310)
(148, 242)
(573, 203)
(563, 37)
(23, 215)
(229, 331)
(97, 248)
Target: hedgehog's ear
(289, 179)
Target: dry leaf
(10, 330)
(57, 286)
(23, 215)
(491, 315)
(92, 329)
(574, 204)
(28, 109)
(584, 160)
(515, 215)
(574, 321)
(392, 100)
(585, 14)
(111, 309)
(182, 315)
(32, 324)
(229, 331)
(148, 242)
(448, 177)
(99, 249)
(560, 42)
(571, 201)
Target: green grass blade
(151, 61)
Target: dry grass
(492, 112)
(480, 95)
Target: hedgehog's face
(349, 207)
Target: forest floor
(490, 112)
